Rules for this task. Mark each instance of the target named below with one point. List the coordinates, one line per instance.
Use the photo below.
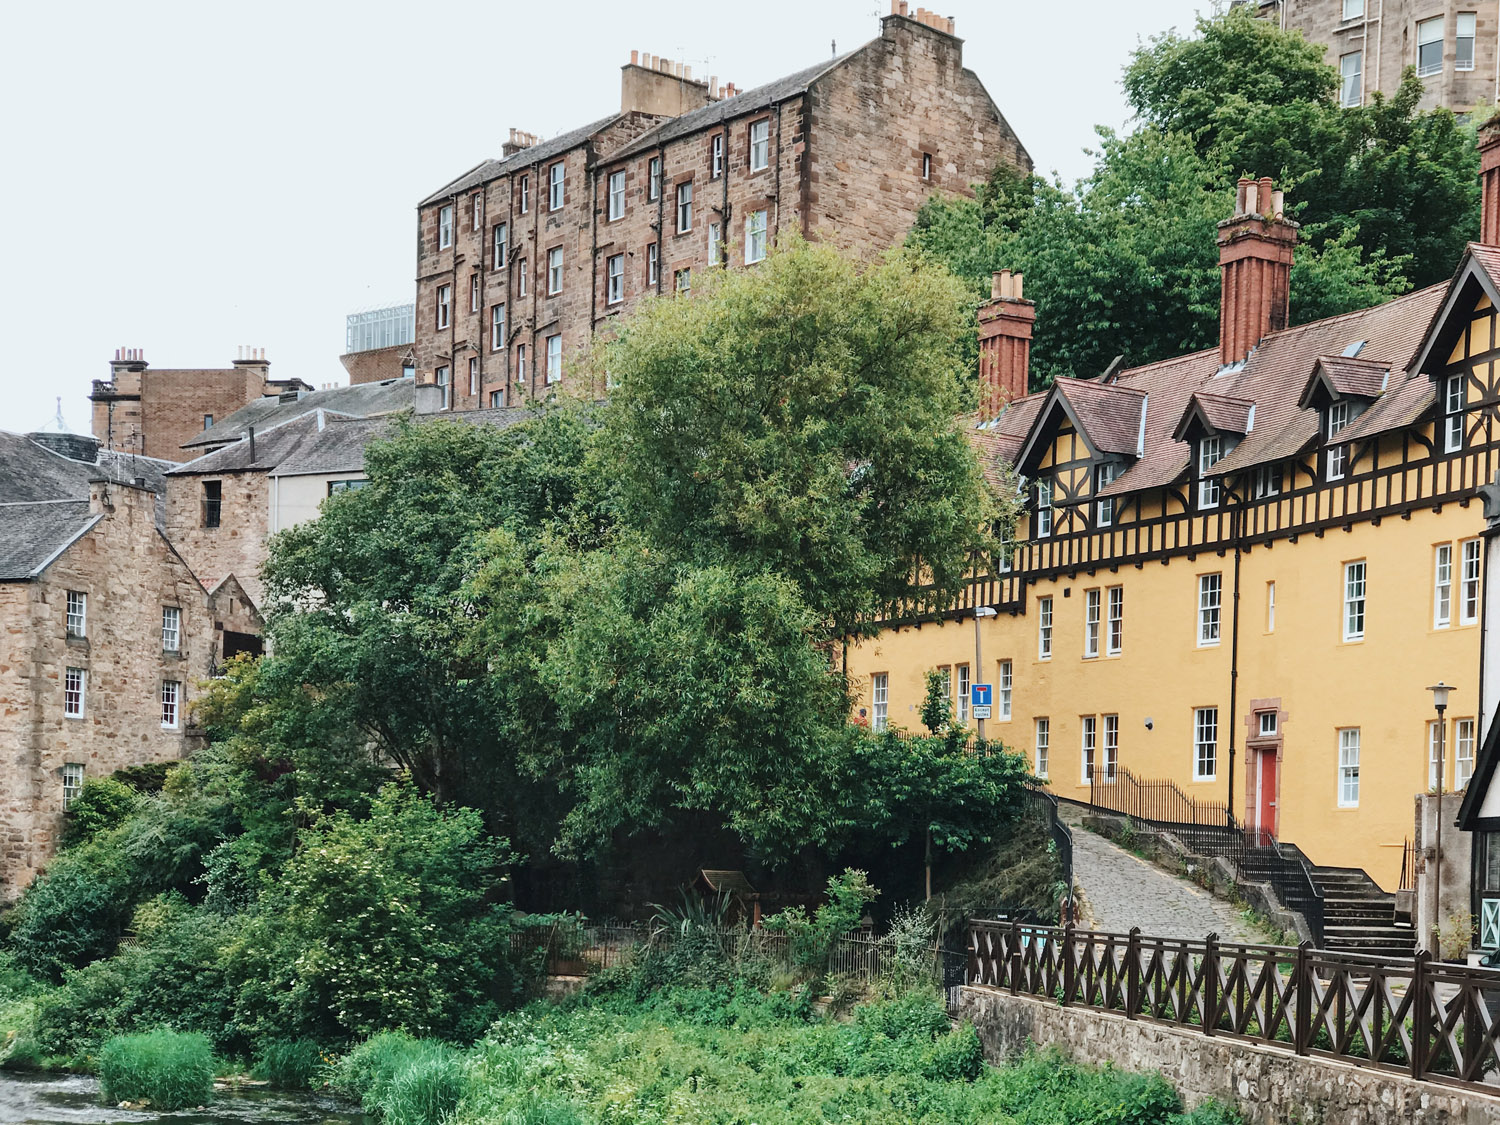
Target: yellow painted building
(1241, 568)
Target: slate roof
(1345, 375)
(33, 533)
(1224, 413)
(542, 150)
(1110, 413)
(359, 400)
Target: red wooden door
(1265, 793)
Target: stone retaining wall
(1269, 1086)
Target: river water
(49, 1099)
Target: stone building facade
(106, 635)
(522, 259)
(1452, 43)
(152, 412)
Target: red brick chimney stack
(1005, 325)
(1489, 182)
(1255, 263)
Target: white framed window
(1210, 451)
(1354, 9)
(73, 692)
(1089, 734)
(171, 698)
(478, 221)
(1044, 507)
(1354, 601)
(1468, 589)
(72, 779)
(1044, 628)
(1270, 607)
(445, 227)
(1003, 689)
(1266, 723)
(1429, 47)
(1205, 743)
(927, 165)
(1043, 745)
(653, 264)
(1091, 609)
(1464, 41)
(554, 359)
(1210, 594)
(171, 628)
(716, 156)
(1434, 736)
(554, 271)
(945, 681)
(614, 279)
(682, 281)
(961, 696)
(501, 240)
(1267, 481)
(715, 239)
(473, 375)
(520, 363)
(1454, 387)
(497, 328)
(444, 305)
(474, 292)
(1442, 586)
(1111, 761)
(755, 237)
(555, 182)
(1336, 459)
(1351, 79)
(445, 384)
(760, 144)
(1349, 768)
(78, 613)
(653, 178)
(879, 700)
(497, 399)
(616, 195)
(523, 275)
(1463, 752)
(525, 193)
(1115, 636)
(685, 207)
(1104, 510)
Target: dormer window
(1043, 508)
(1336, 460)
(1104, 475)
(1267, 481)
(1210, 452)
(1453, 413)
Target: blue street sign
(979, 694)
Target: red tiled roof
(1348, 375)
(1109, 413)
(1223, 413)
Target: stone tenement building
(1452, 43)
(522, 259)
(105, 633)
(152, 412)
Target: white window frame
(1205, 743)
(961, 694)
(557, 180)
(478, 211)
(1044, 628)
(497, 399)
(1114, 634)
(614, 279)
(75, 682)
(444, 306)
(682, 281)
(1088, 743)
(77, 613)
(1465, 27)
(554, 271)
(501, 245)
(685, 207)
(554, 358)
(1463, 753)
(445, 226)
(171, 704)
(1430, 32)
(1111, 761)
(1336, 458)
(72, 782)
(616, 195)
(525, 207)
(473, 375)
(171, 628)
(1351, 79)
(1455, 391)
(1104, 510)
(760, 144)
(1004, 685)
(755, 237)
(1044, 494)
(1092, 610)
(880, 700)
(1356, 591)
(1268, 481)
(1043, 744)
(716, 156)
(497, 327)
(1271, 607)
(444, 379)
(653, 178)
(714, 239)
(1354, 9)
(1210, 452)
(1442, 586)
(927, 166)
(653, 264)
(1348, 776)
(1210, 608)
(474, 295)
(1267, 723)
(523, 276)
(1471, 560)
(520, 363)
(945, 680)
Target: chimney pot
(635, 58)
(903, 7)
(687, 72)
(1278, 201)
(1005, 328)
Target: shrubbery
(168, 1069)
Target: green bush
(405, 1081)
(168, 1069)
(103, 804)
(290, 1064)
(75, 914)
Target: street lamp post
(1440, 692)
(977, 678)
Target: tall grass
(289, 1064)
(404, 1081)
(168, 1069)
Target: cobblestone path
(1121, 890)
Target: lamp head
(985, 611)
(1440, 692)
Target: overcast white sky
(189, 177)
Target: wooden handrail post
(1211, 984)
(1302, 1028)
(1420, 1015)
(1133, 973)
(1015, 958)
(1070, 969)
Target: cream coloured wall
(295, 500)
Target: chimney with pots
(658, 86)
(1005, 325)
(1255, 265)
(1489, 182)
(519, 140)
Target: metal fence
(1431, 1020)
(1044, 805)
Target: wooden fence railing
(1431, 1020)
